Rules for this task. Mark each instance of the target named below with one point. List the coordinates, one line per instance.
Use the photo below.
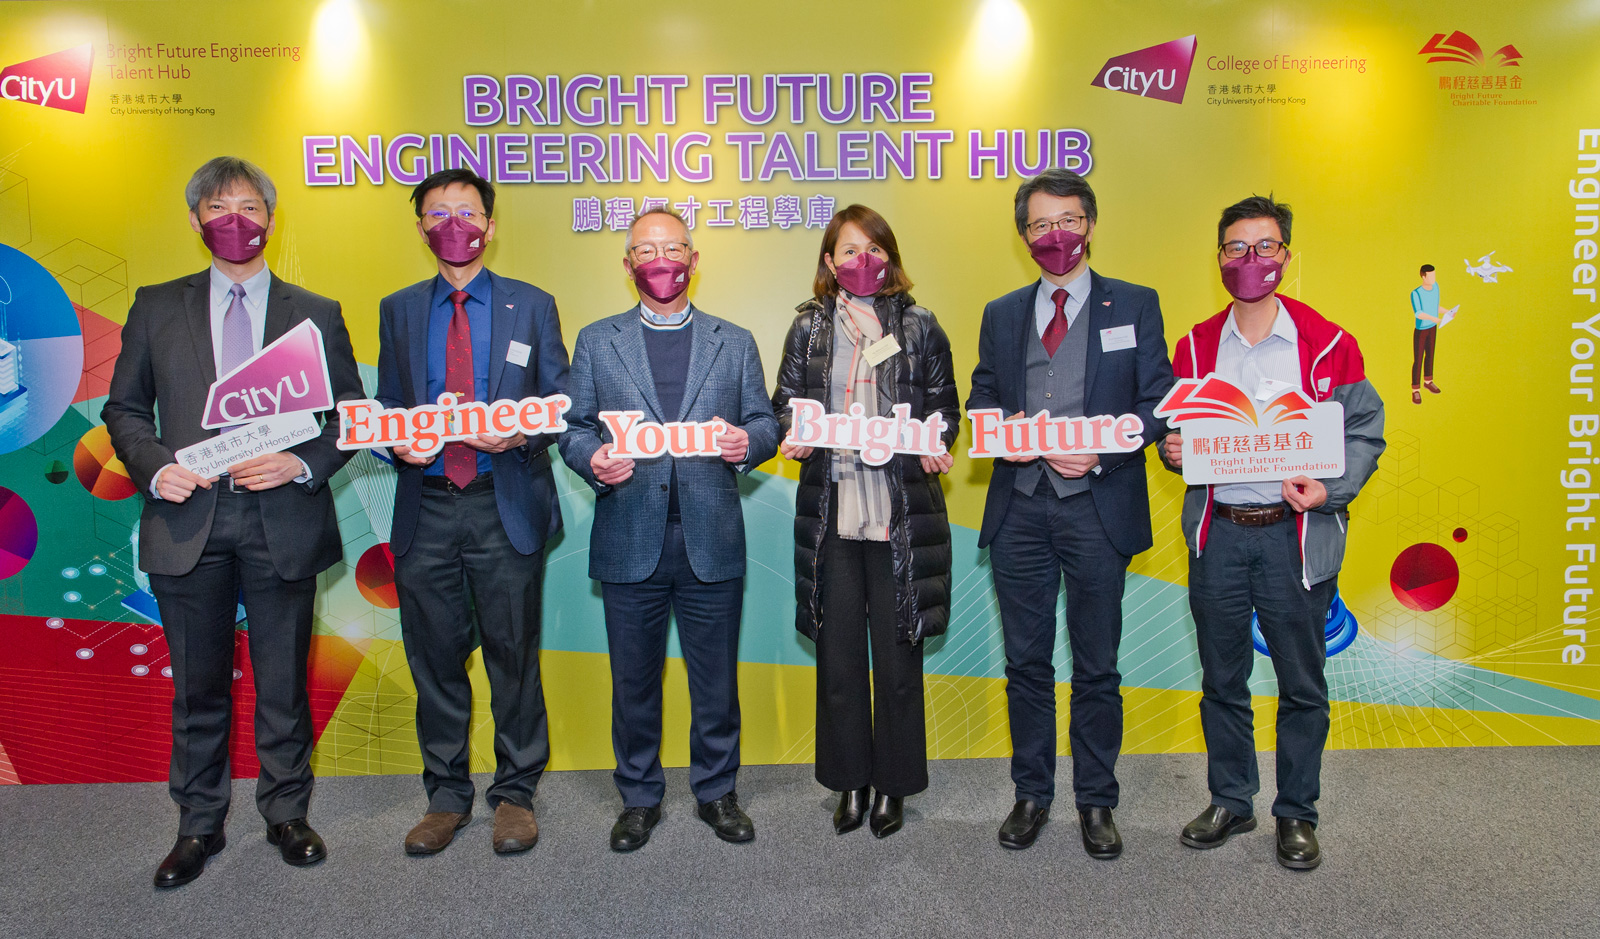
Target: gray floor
(1461, 843)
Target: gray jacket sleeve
(1363, 442)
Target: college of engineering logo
(58, 80)
(1154, 72)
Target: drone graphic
(1487, 270)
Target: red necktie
(1057, 330)
(460, 460)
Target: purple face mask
(862, 275)
(1251, 278)
(662, 280)
(456, 241)
(1057, 251)
(234, 238)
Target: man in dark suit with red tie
(1075, 344)
(476, 516)
(264, 531)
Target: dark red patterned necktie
(1057, 330)
(460, 460)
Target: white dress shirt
(256, 289)
(1044, 304)
(1274, 359)
(255, 304)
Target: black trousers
(461, 547)
(637, 619)
(870, 731)
(197, 615)
(1245, 568)
(1422, 343)
(1043, 541)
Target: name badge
(517, 353)
(1117, 338)
(880, 350)
(1271, 388)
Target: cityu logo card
(58, 80)
(1230, 437)
(290, 374)
(1155, 72)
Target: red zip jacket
(1331, 369)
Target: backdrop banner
(1464, 135)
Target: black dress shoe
(187, 860)
(852, 810)
(1297, 844)
(298, 842)
(888, 815)
(1213, 827)
(727, 819)
(633, 826)
(1022, 826)
(1100, 836)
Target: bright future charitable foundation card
(1231, 437)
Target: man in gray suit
(668, 534)
(265, 531)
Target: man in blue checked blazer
(474, 517)
(668, 533)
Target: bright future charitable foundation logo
(1156, 72)
(1230, 437)
(58, 80)
(1459, 47)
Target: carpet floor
(1418, 843)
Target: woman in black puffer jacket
(872, 544)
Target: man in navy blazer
(668, 533)
(474, 516)
(1076, 344)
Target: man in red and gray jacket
(1269, 548)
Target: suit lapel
(417, 312)
(505, 317)
(1099, 311)
(280, 311)
(197, 305)
(1022, 323)
(629, 344)
(703, 352)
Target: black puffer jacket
(919, 374)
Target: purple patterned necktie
(238, 339)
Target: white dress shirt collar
(1044, 304)
(1282, 326)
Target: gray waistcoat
(1056, 385)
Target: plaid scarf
(864, 505)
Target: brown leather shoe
(435, 832)
(514, 828)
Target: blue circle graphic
(41, 350)
(1339, 630)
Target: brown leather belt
(479, 483)
(1254, 515)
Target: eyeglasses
(1265, 248)
(466, 215)
(1068, 222)
(672, 251)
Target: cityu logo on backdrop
(1459, 47)
(1156, 72)
(58, 80)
